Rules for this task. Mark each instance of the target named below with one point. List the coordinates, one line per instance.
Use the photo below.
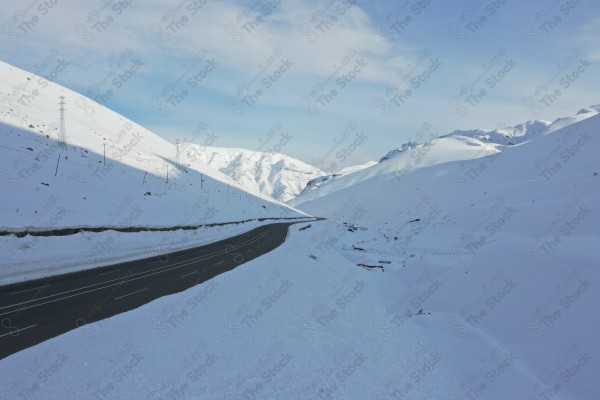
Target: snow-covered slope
(403, 161)
(484, 285)
(457, 145)
(274, 175)
(326, 179)
(559, 164)
(393, 153)
(45, 185)
(493, 261)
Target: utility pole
(201, 181)
(62, 132)
(57, 162)
(177, 154)
(104, 155)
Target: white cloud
(140, 26)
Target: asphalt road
(34, 311)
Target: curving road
(34, 311)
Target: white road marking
(109, 272)
(17, 332)
(191, 273)
(27, 290)
(129, 294)
(155, 262)
(219, 263)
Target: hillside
(489, 256)
(403, 161)
(272, 174)
(138, 183)
(455, 146)
(326, 179)
(110, 173)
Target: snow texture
(478, 279)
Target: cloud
(89, 33)
(325, 40)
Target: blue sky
(333, 83)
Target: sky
(333, 83)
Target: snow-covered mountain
(110, 171)
(274, 175)
(525, 131)
(455, 270)
(490, 255)
(324, 179)
(393, 153)
(455, 146)
(446, 271)
(469, 157)
(401, 162)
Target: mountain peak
(394, 153)
(276, 175)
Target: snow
(141, 183)
(288, 326)
(488, 290)
(457, 145)
(325, 179)
(433, 152)
(273, 174)
(355, 168)
(501, 250)
(394, 153)
(527, 130)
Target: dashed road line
(16, 333)
(129, 294)
(27, 290)
(109, 272)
